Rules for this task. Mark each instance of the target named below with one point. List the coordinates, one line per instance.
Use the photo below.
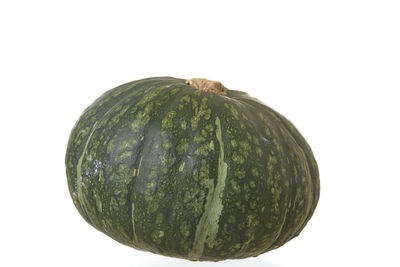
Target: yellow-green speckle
(235, 186)
(185, 99)
(182, 166)
(167, 146)
(195, 104)
(185, 229)
(183, 146)
(183, 125)
(199, 139)
(233, 143)
(233, 110)
(167, 121)
(237, 158)
(159, 218)
(256, 140)
(267, 132)
(157, 236)
(124, 155)
(259, 151)
(187, 197)
(240, 173)
(142, 118)
(203, 112)
(272, 160)
(205, 149)
(166, 162)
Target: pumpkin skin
(163, 167)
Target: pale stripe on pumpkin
(207, 228)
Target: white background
(331, 67)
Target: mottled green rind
(162, 167)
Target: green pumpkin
(190, 169)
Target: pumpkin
(190, 169)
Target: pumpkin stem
(207, 85)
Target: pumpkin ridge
(283, 238)
(139, 161)
(132, 90)
(78, 129)
(286, 124)
(83, 152)
(79, 174)
(252, 104)
(294, 200)
(312, 170)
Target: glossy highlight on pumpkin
(163, 167)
